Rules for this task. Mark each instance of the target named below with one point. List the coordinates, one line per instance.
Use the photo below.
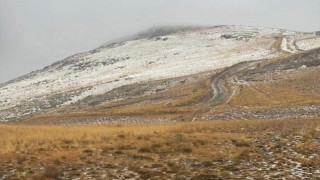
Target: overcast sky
(36, 33)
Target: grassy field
(291, 89)
(189, 150)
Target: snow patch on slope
(168, 56)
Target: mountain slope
(149, 72)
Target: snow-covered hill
(148, 57)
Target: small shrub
(88, 151)
(108, 165)
(51, 172)
(205, 177)
(156, 165)
(170, 164)
(156, 146)
(185, 150)
(57, 161)
(63, 157)
(121, 136)
(179, 137)
(118, 152)
(200, 143)
(242, 144)
(145, 173)
(20, 160)
(207, 163)
(67, 141)
(105, 138)
(244, 154)
(145, 150)
(142, 157)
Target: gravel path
(218, 90)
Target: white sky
(36, 33)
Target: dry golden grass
(15, 138)
(271, 96)
(175, 103)
(294, 89)
(113, 147)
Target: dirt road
(219, 92)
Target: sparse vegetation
(145, 151)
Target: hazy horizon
(36, 33)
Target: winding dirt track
(219, 91)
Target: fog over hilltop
(36, 33)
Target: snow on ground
(309, 42)
(294, 43)
(287, 45)
(174, 55)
